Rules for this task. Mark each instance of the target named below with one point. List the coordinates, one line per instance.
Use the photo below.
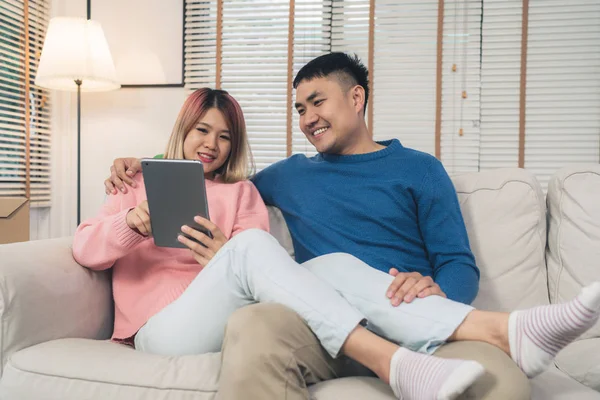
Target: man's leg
(270, 353)
(503, 379)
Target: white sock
(415, 376)
(536, 335)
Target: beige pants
(270, 353)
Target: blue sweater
(395, 207)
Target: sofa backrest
(573, 253)
(505, 215)
(280, 230)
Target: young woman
(176, 302)
(146, 278)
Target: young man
(396, 210)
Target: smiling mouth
(206, 158)
(320, 131)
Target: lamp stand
(78, 83)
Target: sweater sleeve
(102, 240)
(252, 212)
(445, 236)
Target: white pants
(332, 293)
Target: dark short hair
(349, 70)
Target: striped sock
(536, 335)
(415, 376)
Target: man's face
(328, 116)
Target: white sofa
(55, 315)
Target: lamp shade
(76, 49)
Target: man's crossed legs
(270, 353)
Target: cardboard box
(14, 219)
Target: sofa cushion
(352, 388)
(505, 215)
(573, 253)
(552, 384)
(555, 385)
(80, 369)
(572, 258)
(581, 360)
(85, 369)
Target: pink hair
(193, 110)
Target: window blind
(40, 106)
(405, 72)
(312, 38)
(461, 85)
(481, 73)
(563, 85)
(12, 98)
(15, 101)
(350, 32)
(500, 80)
(255, 51)
(200, 44)
(253, 64)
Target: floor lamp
(76, 57)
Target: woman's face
(209, 141)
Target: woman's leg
(531, 337)
(422, 325)
(250, 267)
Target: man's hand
(122, 171)
(203, 254)
(139, 219)
(409, 285)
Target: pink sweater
(146, 278)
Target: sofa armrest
(46, 295)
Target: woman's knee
(252, 237)
(253, 234)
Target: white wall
(127, 122)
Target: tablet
(176, 193)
